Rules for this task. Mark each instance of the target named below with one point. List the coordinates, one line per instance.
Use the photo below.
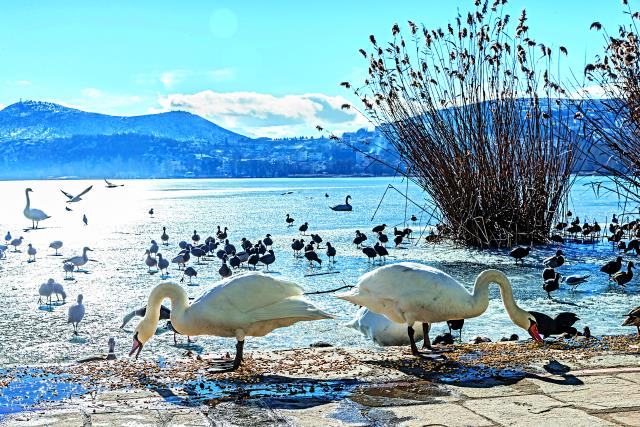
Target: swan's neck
(28, 201)
(481, 296)
(179, 303)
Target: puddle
(280, 393)
(30, 388)
(481, 376)
(399, 394)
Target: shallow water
(120, 229)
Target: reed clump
(611, 112)
(473, 112)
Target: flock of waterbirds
(272, 302)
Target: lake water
(120, 229)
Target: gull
(77, 198)
(56, 244)
(85, 220)
(32, 253)
(46, 290)
(16, 242)
(112, 185)
(76, 313)
(68, 270)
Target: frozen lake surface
(120, 229)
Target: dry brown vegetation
(614, 121)
(472, 109)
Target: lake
(120, 230)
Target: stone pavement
(590, 397)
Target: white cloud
(18, 82)
(260, 114)
(589, 92)
(172, 78)
(94, 99)
(91, 92)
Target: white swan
(76, 313)
(381, 330)
(343, 208)
(410, 292)
(79, 261)
(252, 304)
(58, 289)
(35, 215)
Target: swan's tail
(353, 296)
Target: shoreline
(303, 385)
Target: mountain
(46, 140)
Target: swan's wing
(85, 191)
(248, 292)
(69, 196)
(289, 308)
(108, 183)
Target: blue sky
(267, 68)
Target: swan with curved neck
(35, 215)
(345, 207)
(251, 304)
(410, 292)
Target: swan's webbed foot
(228, 365)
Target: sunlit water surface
(120, 229)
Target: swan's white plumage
(381, 330)
(409, 292)
(251, 304)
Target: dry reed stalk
(475, 116)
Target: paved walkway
(586, 394)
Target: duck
(165, 314)
(456, 325)
(555, 261)
(297, 246)
(195, 237)
(7, 237)
(317, 239)
(223, 235)
(150, 261)
(383, 238)
(624, 277)
(551, 285)
(303, 228)
(268, 241)
(268, 259)
(612, 267)
(79, 261)
(520, 253)
(234, 261)
(312, 256)
(253, 260)
(370, 253)
(397, 240)
(252, 304)
(360, 237)
(164, 237)
(548, 273)
(343, 208)
(56, 245)
(562, 323)
(380, 329)
(228, 247)
(331, 252)
(224, 270)
(76, 314)
(35, 215)
(289, 220)
(381, 251)
(190, 272)
(633, 319)
(429, 295)
(379, 228)
(151, 212)
(31, 251)
(163, 264)
(154, 248)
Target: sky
(258, 67)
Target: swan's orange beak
(137, 345)
(533, 331)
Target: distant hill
(46, 140)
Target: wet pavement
(556, 386)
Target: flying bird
(77, 198)
(112, 185)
